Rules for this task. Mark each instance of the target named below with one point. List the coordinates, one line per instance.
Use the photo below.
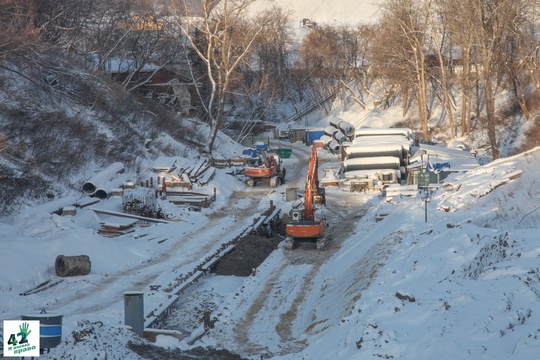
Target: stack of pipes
(337, 133)
(101, 184)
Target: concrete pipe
(105, 190)
(375, 150)
(102, 177)
(326, 140)
(72, 265)
(330, 130)
(333, 146)
(335, 121)
(346, 128)
(340, 137)
(374, 163)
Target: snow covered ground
(463, 284)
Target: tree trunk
(466, 94)
(490, 113)
(422, 96)
(405, 95)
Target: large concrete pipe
(373, 150)
(346, 128)
(393, 139)
(372, 163)
(105, 190)
(102, 177)
(72, 265)
(326, 140)
(334, 146)
(334, 121)
(340, 137)
(330, 130)
(343, 126)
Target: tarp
(252, 153)
(437, 167)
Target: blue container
(50, 328)
(312, 135)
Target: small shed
(297, 135)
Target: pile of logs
(195, 172)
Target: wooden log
(72, 265)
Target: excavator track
(289, 243)
(322, 242)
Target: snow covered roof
(437, 151)
(117, 65)
(459, 160)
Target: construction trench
(184, 317)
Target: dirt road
(287, 279)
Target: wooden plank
(119, 214)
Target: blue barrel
(50, 328)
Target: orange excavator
(270, 171)
(304, 225)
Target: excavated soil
(249, 253)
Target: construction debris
(142, 202)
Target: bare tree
(222, 38)
(16, 26)
(403, 49)
(273, 49)
(528, 53)
(366, 42)
(438, 31)
(324, 56)
(521, 54)
(492, 21)
(459, 22)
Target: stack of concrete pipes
(337, 133)
(101, 184)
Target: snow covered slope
(338, 12)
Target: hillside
(65, 121)
(334, 13)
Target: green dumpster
(284, 153)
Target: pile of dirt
(249, 253)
